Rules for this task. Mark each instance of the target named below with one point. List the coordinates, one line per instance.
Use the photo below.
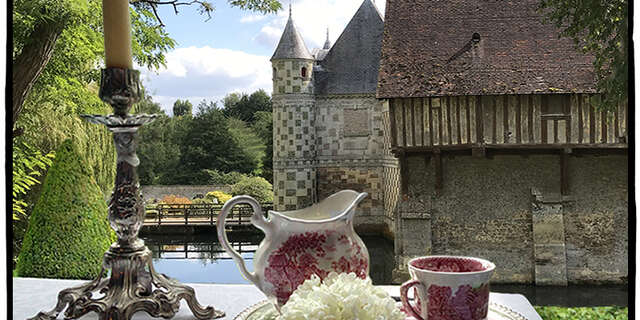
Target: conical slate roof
(351, 66)
(291, 45)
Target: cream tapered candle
(117, 33)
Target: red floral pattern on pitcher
(305, 254)
(467, 304)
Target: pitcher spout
(338, 206)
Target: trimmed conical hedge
(68, 230)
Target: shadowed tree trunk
(28, 65)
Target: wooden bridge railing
(199, 250)
(198, 214)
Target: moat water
(199, 258)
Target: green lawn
(591, 313)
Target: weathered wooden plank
(499, 119)
(411, 104)
(531, 120)
(597, 124)
(392, 122)
(562, 131)
(616, 123)
(421, 127)
(426, 105)
(471, 120)
(586, 119)
(524, 113)
(464, 117)
(544, 105)
(432, 138)
(494, 121)
(437, 120)
(567, 111)
(592, 122)
(453, 120)
(458, 122)
(445, 124)
(505, 118)
(518, 119)
(512, 118)
(575, 118)
(487, 118)
(404, 123)
(480, 126)
(611, 127)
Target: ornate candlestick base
(133, 284)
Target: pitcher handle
(257, 219)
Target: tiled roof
(351, 66)
(428, 50)
(291, 45)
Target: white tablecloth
(33, 295)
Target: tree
(598, 27)
(244, 106)
(249, 142)
(182, 108)
(263, 127)
(68, 231)
(38, 24)
(208, 144)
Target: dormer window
(303, 72)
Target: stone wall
(485, 209)
(157, 192)
(294, 151)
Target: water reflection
(200, 258)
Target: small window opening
(475, 37)
(303, 72)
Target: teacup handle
(404, 289)
(257, 219)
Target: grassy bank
(589, 313)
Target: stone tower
(294, 173)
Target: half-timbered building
(503, 153)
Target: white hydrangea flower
(340, 296)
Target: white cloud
(252, 18)
(198, 73)
(312, 19)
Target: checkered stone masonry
(293, 151)
(288, 76)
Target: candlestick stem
(133, 285)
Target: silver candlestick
(133, 284)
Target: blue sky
(231, 51)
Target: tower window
(303, 72)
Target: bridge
(203, 214)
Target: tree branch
(205, 6)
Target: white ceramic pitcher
(315, 240)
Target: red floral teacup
(448, 288)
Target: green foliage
(202, 201)
(28, 164)
(221, 196)
(248, 141)
(244, 106)
(209, 144)
(257, 187)
(182, 108)
(263, 127)
(208, 148)
(217, 177)
(68, 231)
(598, 27)
(592, 313)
